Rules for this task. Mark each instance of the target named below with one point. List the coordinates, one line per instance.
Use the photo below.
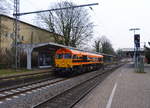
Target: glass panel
(67, 56)
(59, 56)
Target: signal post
(138, 59)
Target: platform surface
(124, 88)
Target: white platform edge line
(111, 96)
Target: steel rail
(40, 85)
(25, 84)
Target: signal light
(137, 40)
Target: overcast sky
(112, 18)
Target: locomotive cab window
(67, 56)
(59, 56)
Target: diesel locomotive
(69, 60)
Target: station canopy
(42, 46)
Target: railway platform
(124, 88)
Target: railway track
(26, 84)
(57, 89)
(22, 79)
(8, 93)
(70, 97)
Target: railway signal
(137, 40)
(137, 57)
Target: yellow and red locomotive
(71, 60)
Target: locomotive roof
(92, 52)
(84, 53)
(80, 52)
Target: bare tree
(103, 45)
(74, 24)
(97, 45)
